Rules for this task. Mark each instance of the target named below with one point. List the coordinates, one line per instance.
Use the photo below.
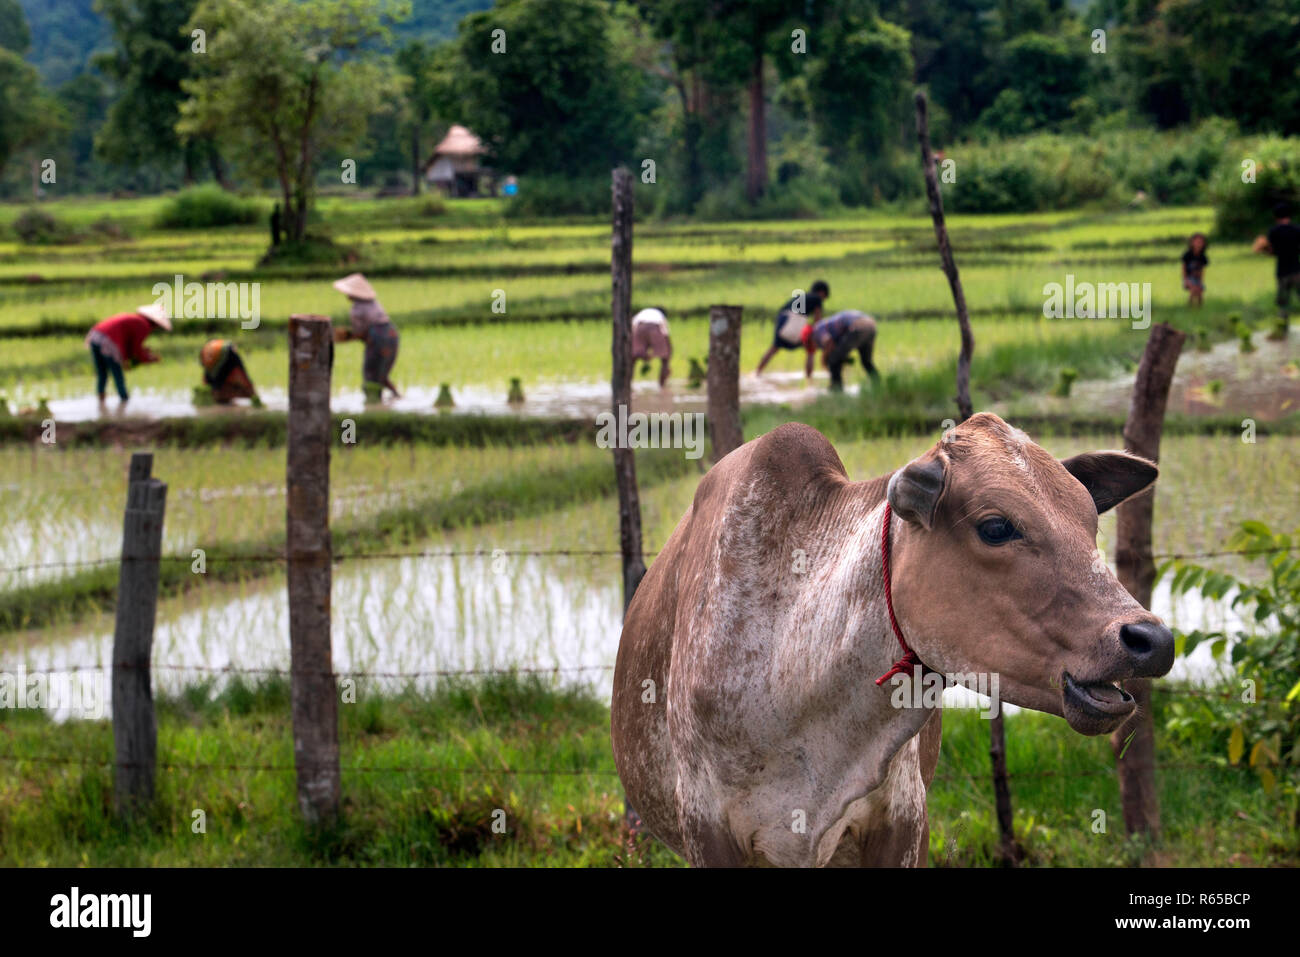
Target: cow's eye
(997, 531)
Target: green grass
(1212, 815)
(437, 276)
(460, 482)
(455, 743)
(457, 739)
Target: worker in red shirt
(119, 339)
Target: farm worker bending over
(118, 340)
(835, 338)
(794, 317)
(650, 340)
(224, 372)
(372, 326)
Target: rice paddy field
(498, 557)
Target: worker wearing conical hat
(224, 372)
(119, 340)
(370, 324)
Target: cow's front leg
(711, 844)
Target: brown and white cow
(747, 724)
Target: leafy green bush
(311, 250)
(1244, 209)
(209, 205)
(1258, 720)
(109, 229)
(541, 196)
(1173, 167)
(39, 227)
(1034, 173)
(1053, 171)
(801, 197)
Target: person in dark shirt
(1283, 242)
(835, 338)
(1194, 263)
(802, 309)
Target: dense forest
(739, 102)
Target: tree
(707, 94)
(154, 54)
(858, 108)
(84, 98)
(951, 43)
(15, 35)
(429, 96)
(556, 98)
(1193, 59)
(756, 26)
(29, 117)
(285, 81)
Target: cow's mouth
(1097, 707)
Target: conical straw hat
(155, 314)
(356, 287)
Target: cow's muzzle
(1096, 707)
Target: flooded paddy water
(547, 399)
(401, 622)
(482, 600)
(1263, 384)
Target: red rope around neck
(909, 661)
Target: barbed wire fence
(236, 558)
(216, 557)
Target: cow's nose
(1150, 646)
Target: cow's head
(997, 570)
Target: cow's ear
(915, 489)
(1111, 477)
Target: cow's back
(764, 486)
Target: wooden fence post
(629, 498)
(1136, 569)
(1008, 849)
(945, 257)
(135, 733)
(724, 380)
(309, 551)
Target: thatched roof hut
(455, 165)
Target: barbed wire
(336, 558)
(948, 776)
(941, 775)
(288, 768)
(279, 557)
(473, 672)
(425, 673)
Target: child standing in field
(1194, 263)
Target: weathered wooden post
(309, 552)
(135, 733)
(1008, 849)
(945, 256)
(1136, 569)
(724, 380)
(629, 498)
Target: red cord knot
(909, 661)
